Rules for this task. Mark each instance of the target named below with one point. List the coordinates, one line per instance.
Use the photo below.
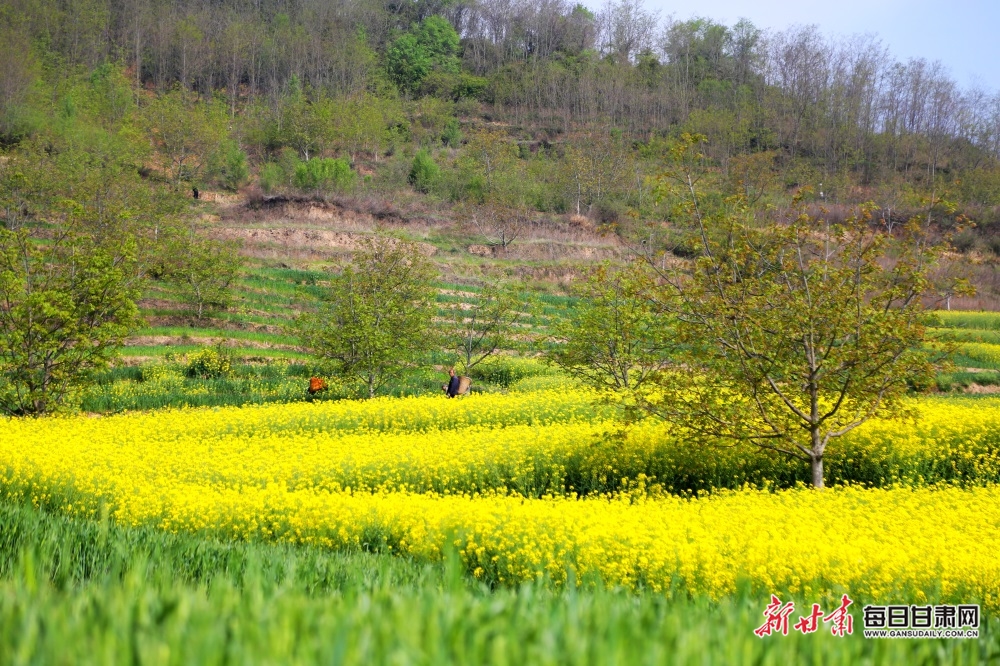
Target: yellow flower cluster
(414, 475)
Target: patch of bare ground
(308, 229)
(979, 389)
(221, 198)
(290, 239)
(352, 215)
(175, 340)
(223, 324)
(541, 250)
(190, 320)
(461, 294)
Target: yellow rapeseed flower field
(489, 474)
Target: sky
(963, 34)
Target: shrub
(964, 241)
(424, 172)
(229, 166)
(324, 174)
(272, 176)
(452, 134)
(209, 363)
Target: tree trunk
(817, 471)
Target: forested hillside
(508, 113)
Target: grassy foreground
(88, 592)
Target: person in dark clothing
(453, 383)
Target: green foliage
(507, 371)
(377, 315)
(424, 172)
(229, 166)
(185, 134)
(167, 385)
(430, 46)
(272, 177)
(791, 336)
(490, 167)
(437, 36)
(157, 372)
(323, 174)
(615, 338)
(594, 168)
(452, 134)
(110, 98)
(408, 62)
(18, 72)
(68, 305)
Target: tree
(626, 28)
(65, 307)
(305, 125)
(487, 324)
(428, 47)
(18, 70)
(614, 337)
(500, 225)
(184, 133)
(362, 124)
(594, 167)
(203, 269)
(376, 318)
(490, 156)
(752, 176)
(791, 336)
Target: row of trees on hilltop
(552, 65)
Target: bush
(229, 166)
(611, 212)
(209, 363)
(272, 176)
(424, 172)
(324, 174)
(452, 134)
(964, 241)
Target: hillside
(257, 143)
